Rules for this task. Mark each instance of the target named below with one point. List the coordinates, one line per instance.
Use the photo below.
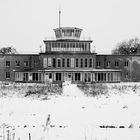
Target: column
(111, 76)
(93, 76)
(73, 76)
(69, 47)
(54, 76)
(90, 77)
(85, 46)
(106, 76)
(81, 76)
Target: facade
(69, 58)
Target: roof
(19, 54)
(67, 28)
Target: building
(69, 58)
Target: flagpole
(59, 17)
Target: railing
(81, 38)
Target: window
(45, 62)
(126, 63)
(17, 63)
(26, 63)
(7, 63)
(77, 76)
(86, 62)
(108, 64)
(72, 62)
(35, 77)
(58, 62)
(77, 63)
(81, 63)
(126, 75)
(58, 76)
(116, 64)
(54, 62)
(83, 47)
(68, 62)
(98, 64)
(7, 75)
(63, 62)
(50, 75)
(90, 62)
(49, 62)
(73, 46)
(35, 63)
(25, 76)
(64, 46)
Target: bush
(94, 89)
(46, 89)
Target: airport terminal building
(69, 58)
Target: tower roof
(66, 33)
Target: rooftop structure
(67, 33)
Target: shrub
(94, 89)
(46, 89)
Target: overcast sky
(25, 23)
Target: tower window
(68, 62)
(58, 62)
(77, 63)
(54, 62)
(90, 62)
(63, 62)
(86, 62)
(81, 62)
(72, 62)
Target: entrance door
(48, 77)
(68, 76)
(77, 77)
(87, 77)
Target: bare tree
(8, 50)
(129, 47)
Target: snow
(73, 116)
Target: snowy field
(73, 116)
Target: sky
(24, 24)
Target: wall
(13, 67)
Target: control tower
(67, 41)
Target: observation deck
(67, 33)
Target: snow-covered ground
(73, 116)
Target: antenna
(59, 17)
